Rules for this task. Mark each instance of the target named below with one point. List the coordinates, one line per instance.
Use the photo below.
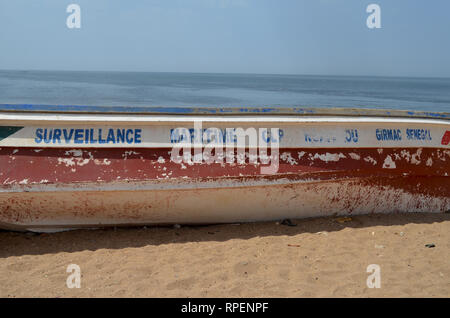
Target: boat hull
(41, 211)
(62, 170)
(60, 188)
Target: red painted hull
(69, 188)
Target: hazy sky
(239, 36)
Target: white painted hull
(215, 203)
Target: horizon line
(222, 73)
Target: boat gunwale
(222, 111)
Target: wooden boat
(84, 166)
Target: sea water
(242, 90)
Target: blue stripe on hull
(153, 110)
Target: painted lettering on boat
(351, 135)
(418, 134)
(226, 135)
(388, 134)
(309, 138)
(88, 136)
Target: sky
(319, 37)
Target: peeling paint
(329, 156)
(331, 180)
(415, 158)
(389, 163)
(74, 152)
(286, 156)
(68, 162)
(354, 156)
(370, 160)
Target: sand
(323, 257)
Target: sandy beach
(323, 257)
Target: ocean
(242, 90)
